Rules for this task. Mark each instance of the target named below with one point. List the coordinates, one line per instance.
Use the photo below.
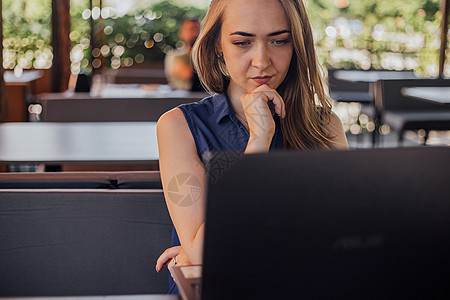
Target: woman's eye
(280, 42)
(241, 44)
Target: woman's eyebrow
(253, 35)
(279, 32)
(241, 33)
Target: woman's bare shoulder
(173, 117)
(173, 122)
(173, 129)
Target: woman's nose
(261, 57)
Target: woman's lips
(262, 79)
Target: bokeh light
(348, 34)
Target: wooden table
(114, 103)
(372, 75)
(81, 146)
(437, 95)
(137, 75)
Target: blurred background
(363, 34)
(109, 36)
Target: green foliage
(144, 34)
(389, 34)
(27, 33)
(141, 32)
(26, 19)
(348, 33)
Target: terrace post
(3, 103)
(445, 6)
(60, 44)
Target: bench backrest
(82, 180)
(82, 242)
(109, 109)
(388, 95)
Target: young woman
(258, 57)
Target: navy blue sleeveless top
(214, 127)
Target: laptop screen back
(368, 224)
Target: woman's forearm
(258, 145)
(194, 251)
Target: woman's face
(256, 44)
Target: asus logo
(358, 242)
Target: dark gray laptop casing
(367, 224)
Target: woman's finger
(166, 257)
(272, 95)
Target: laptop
(362, 224)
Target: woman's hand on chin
(259, 118)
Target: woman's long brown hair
(308, 106)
